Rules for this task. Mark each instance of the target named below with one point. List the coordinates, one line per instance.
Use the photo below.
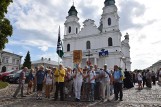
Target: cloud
(43, 48)
(36, 22)
(156, 42)
(88, 11)
(35, 26)
(142, 37)
(130, 12)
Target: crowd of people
(89, 83)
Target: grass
(3, 84)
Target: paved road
(132, 98)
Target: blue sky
(35, 26)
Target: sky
(35, 26)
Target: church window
(109, 21)
(68, 47)
(76, 30)
(110, 41)
(88, 45)
(69, 29)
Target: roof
(10, 53)
(45, 61)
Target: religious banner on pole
(77, 56)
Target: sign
(77, 56)
(103, 53)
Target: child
(30, 83)
(48, 82)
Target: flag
(59, 46)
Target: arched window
(76, 30)
(110, 41)
(109, 21)
(68, 47)
(69, 29)
(88, 45)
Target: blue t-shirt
(117, 75)
(40, 76)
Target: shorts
(39, 87)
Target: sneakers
(77, 100)
(121, 100)
(38, 98)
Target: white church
(100, 45)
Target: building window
(17, 62)
(68, 47)
(13, 61)
(110, 41)
(76, 30)
(69, 29)
(109, 21)
(88, 45)
(3, 59)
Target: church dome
(72, 11)
(109, 2)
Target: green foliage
(3, 84)
(5, 26)
(27, 61)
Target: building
(9, 61)
(100, 45)
(45, 62)
(155, 67)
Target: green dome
(109, 2)
(72, 11)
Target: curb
(3, 89)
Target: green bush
(3, 84)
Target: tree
(27, 61)
(5, 26)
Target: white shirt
(78, 77)
(106, 77)
(48, 79)
(92, 74)
(97, 72)
(139, 77)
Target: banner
(77, 56)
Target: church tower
(110, 18)
(72, 26)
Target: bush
(3, 84)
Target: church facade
(100, 45)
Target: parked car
(14, 77)
(3, 75)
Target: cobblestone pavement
(132, 98)
(6, 95)
(135, 98)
